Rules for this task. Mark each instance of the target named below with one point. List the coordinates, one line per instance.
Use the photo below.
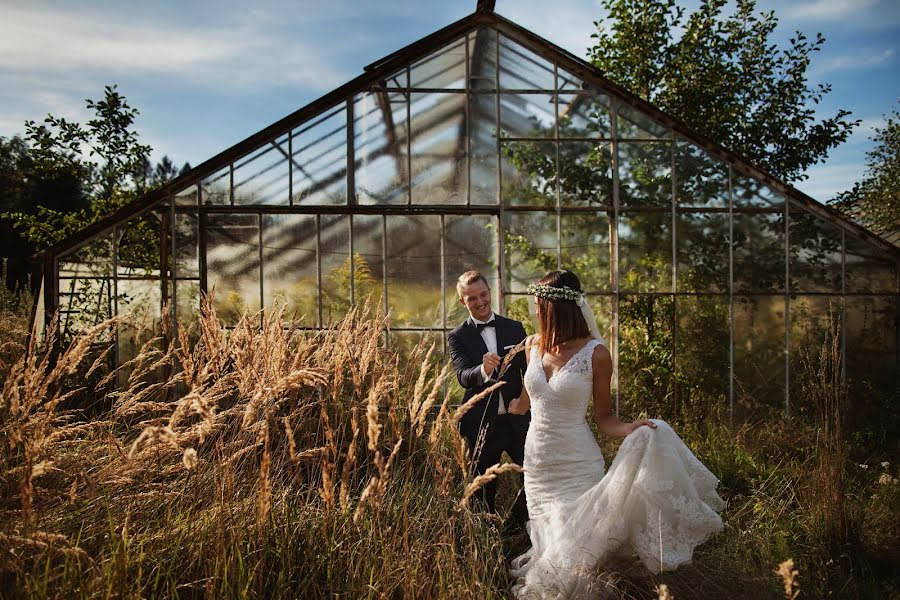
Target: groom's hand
(489, 362)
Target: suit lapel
(477, 340)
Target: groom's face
(476, 297)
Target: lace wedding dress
(656, 501)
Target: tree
(724, 78)
(875, 201)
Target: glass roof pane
(319, 169)
(634, 124)
(759, 253)
(443, 69)
(483, 59)
(815, 253)
(702, 251)
(522, 69)
(528, 176)
(380, 151)
(645, 174)
(529, 247)
(527, 115)
(585, 174)
(187, 196)
(289, 266)
(584, 115)
(750, 193)
(216, 188)
(645, 252)
(438, 149)
(569, 82)
(869, 269)
(701, 179)
(400, 79)
(262, 177)
(483, 149)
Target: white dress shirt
(489, 335)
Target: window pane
(438, 149)
(522, 309)
(187, 255)
(414, 271)
(815, 254)
(334, 232)
(759, 347)
(443, 69)
(380, 148)
(262, 177)
(216, 189)
(529, 246)
(585, 174)
(585, 114)
(872, 366)
(320, 159)
(289, 266)
(471, 244)
(814, 319)
(529, 174)
(368, 259)
(527, 115)
(483, 148)
(412, 345)
(187, 196)
(86, 286)
(233, 270)
(522, 69)
(701, 179)
(602, 307)
(645, 356)
(702, 242)
(585, 249)
(869, 268)
(645, 252)
(702, 352)
(634, 124)
(645, 174)
(483, 59)
(759, 253)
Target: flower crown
(553, 293)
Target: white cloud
(827, 181)
(861, 60)
(828, 10)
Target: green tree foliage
(875, 201)
(724, 77)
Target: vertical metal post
(384, 265)
(614, 267)
(843, 305)
(409, 134)
(501, 221)
(352, 264)
(443, 277)
(674, 273)
(351, 154)
(260, 270)
(730, 296)
(319, 320)
(787, 308)
(467, 116)
(558, 201)
(290, 162)
(115, 295)
(231, 183)
(203, 224)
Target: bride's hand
(639, 423)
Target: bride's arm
(606, 421)
(521, 405)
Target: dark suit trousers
(500, 437)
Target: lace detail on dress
(657, 500)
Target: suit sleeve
(467, 373)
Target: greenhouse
(483, 146)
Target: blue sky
(206, 74)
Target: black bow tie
(480, 326)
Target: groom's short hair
(468, 278)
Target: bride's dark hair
(560, 320)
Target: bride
(656, 501)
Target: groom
(477, 349)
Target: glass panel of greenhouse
(489, 151)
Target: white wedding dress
(657, 500)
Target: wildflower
(863, 466)
(885, 464)
(886, 479)
(189, 459)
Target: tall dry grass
(265, 461)
(271, 462)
